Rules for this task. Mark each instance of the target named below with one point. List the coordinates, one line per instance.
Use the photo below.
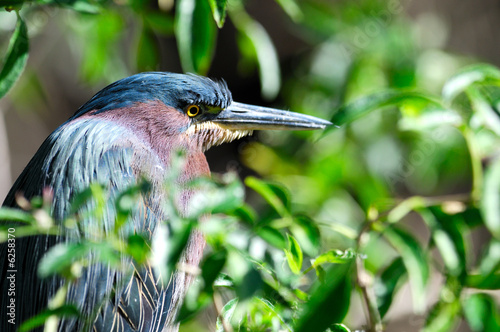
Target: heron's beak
(248, 117)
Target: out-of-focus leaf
(480, 281)
(339, 328)
(270, 309)
(414, 261)
(11, 3)
(59, 258)
(443, 317)
(264, 53)
(227, 313)
(148, 57)
(490, 203)
(16, 215)
(334, 257)
(138, 248)
(16, 57)
(307, 234)
(431, 119)
(489, 117)
(385, 285)
(211, 197)
(272, 236)
(211, 268)
(294, 255)
(482, 313)
(168, 243)
(277, 196)
(291, 8)
(448, 237)
(467, 76)
(195, 33)
(249, 285)
(364, 105)
(218, 11)
(66, 311)
(333, 294)
(245, 213)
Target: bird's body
(126, 132)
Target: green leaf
(482, 106)
(481, 313)
(272, 236)
(276, 195)
(138, 248)
(490, 204)
(16, 57)
(364, 105)
(59, 258)
(65, 311)
(334, 256)
(294, 255)
(447, 233)
(292, 9)
(211, 268)
(468, 76)
(218, 11)
(444, 317)
(486, 282)
(307, 234)
(333, 294)
(227, 313)
(415, 262)
(196, 33)
(339, 328)
(256, 44)
(385, 285)
(16, 215)
(212, 197)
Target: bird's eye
(193, 110)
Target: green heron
(127, 131)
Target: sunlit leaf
(482, 313)
(263, 51)
(272, 236)
(59, 258)
(218, 11)
(339, 328)
(227, 313)
(467, 76)
(490, 204)
(195, 32)
(66, 311)
(276, 195)
(212, 197)
(16, 57)
(364, 105)
(415, 262)
(292, 9)
(16, 215)
(443, 317)
(307, 234)
(294, 255)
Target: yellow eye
(193, 110)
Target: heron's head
(196, 108)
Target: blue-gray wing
(77, 154)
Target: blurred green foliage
(393, 197)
